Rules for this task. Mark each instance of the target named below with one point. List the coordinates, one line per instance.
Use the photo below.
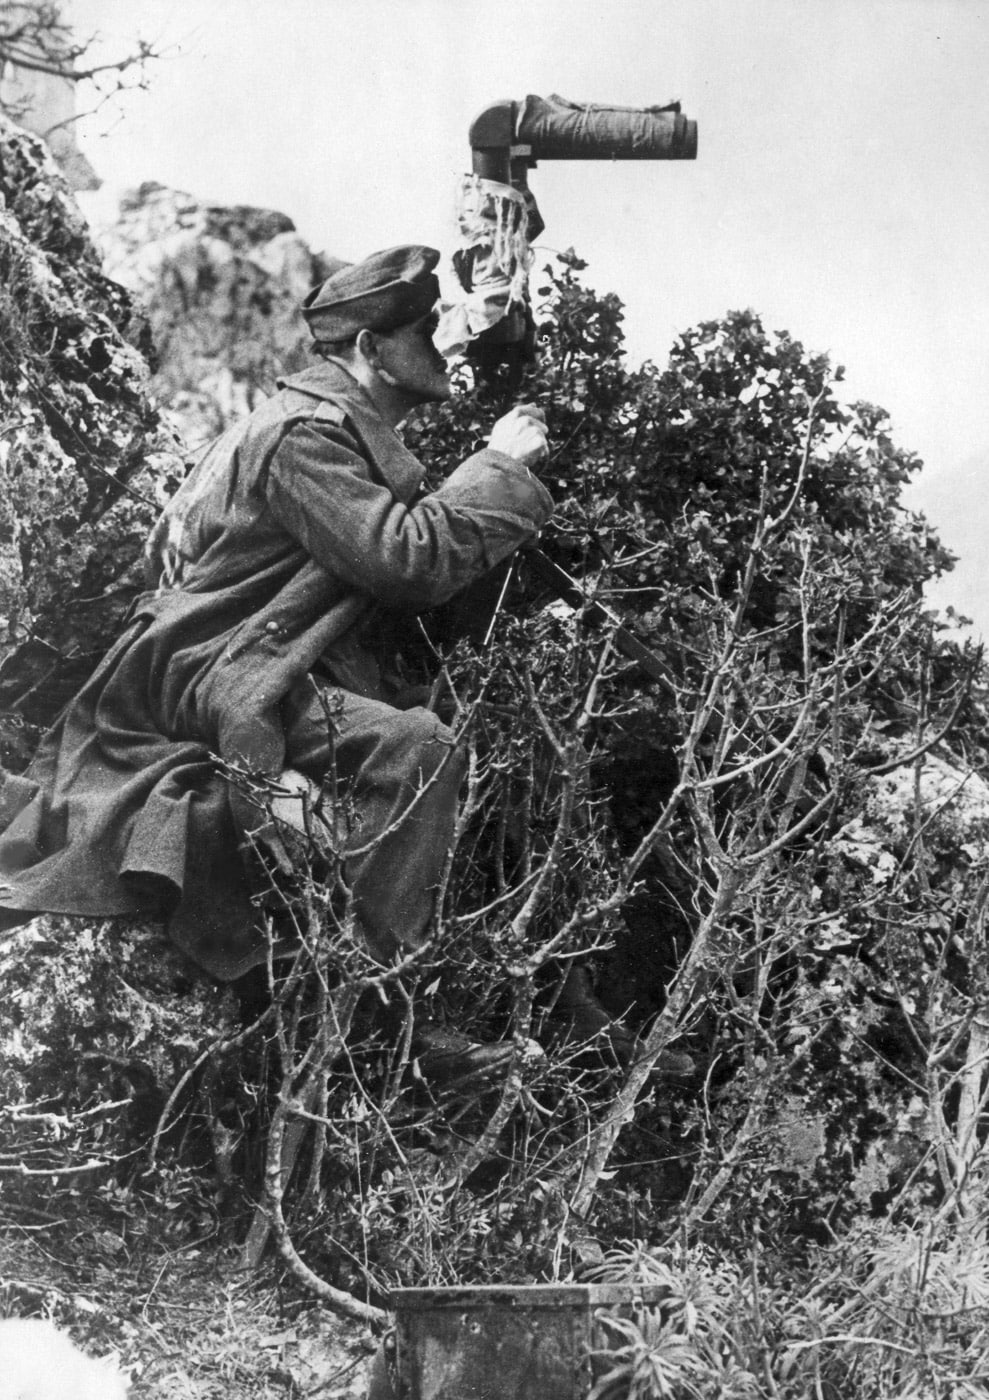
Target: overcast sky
(841, 187)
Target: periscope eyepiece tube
(551, 128)
(500, 219)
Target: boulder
(222, 288)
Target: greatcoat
(298, 532)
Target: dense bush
(797, 819)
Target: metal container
(505, 1343)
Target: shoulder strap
(328, 412)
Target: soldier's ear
(367, 344)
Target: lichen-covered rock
(222, 289)
(85, 456)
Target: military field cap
(387, 290)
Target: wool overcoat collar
(333, 385)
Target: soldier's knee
(428, 742)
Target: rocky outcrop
(85, 457)
(222, 288)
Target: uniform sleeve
(323, 491)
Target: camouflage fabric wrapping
(492, 265)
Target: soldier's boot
(447, 1060)
(579, 1020)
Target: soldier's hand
(521, 434)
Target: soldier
(300, 544)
